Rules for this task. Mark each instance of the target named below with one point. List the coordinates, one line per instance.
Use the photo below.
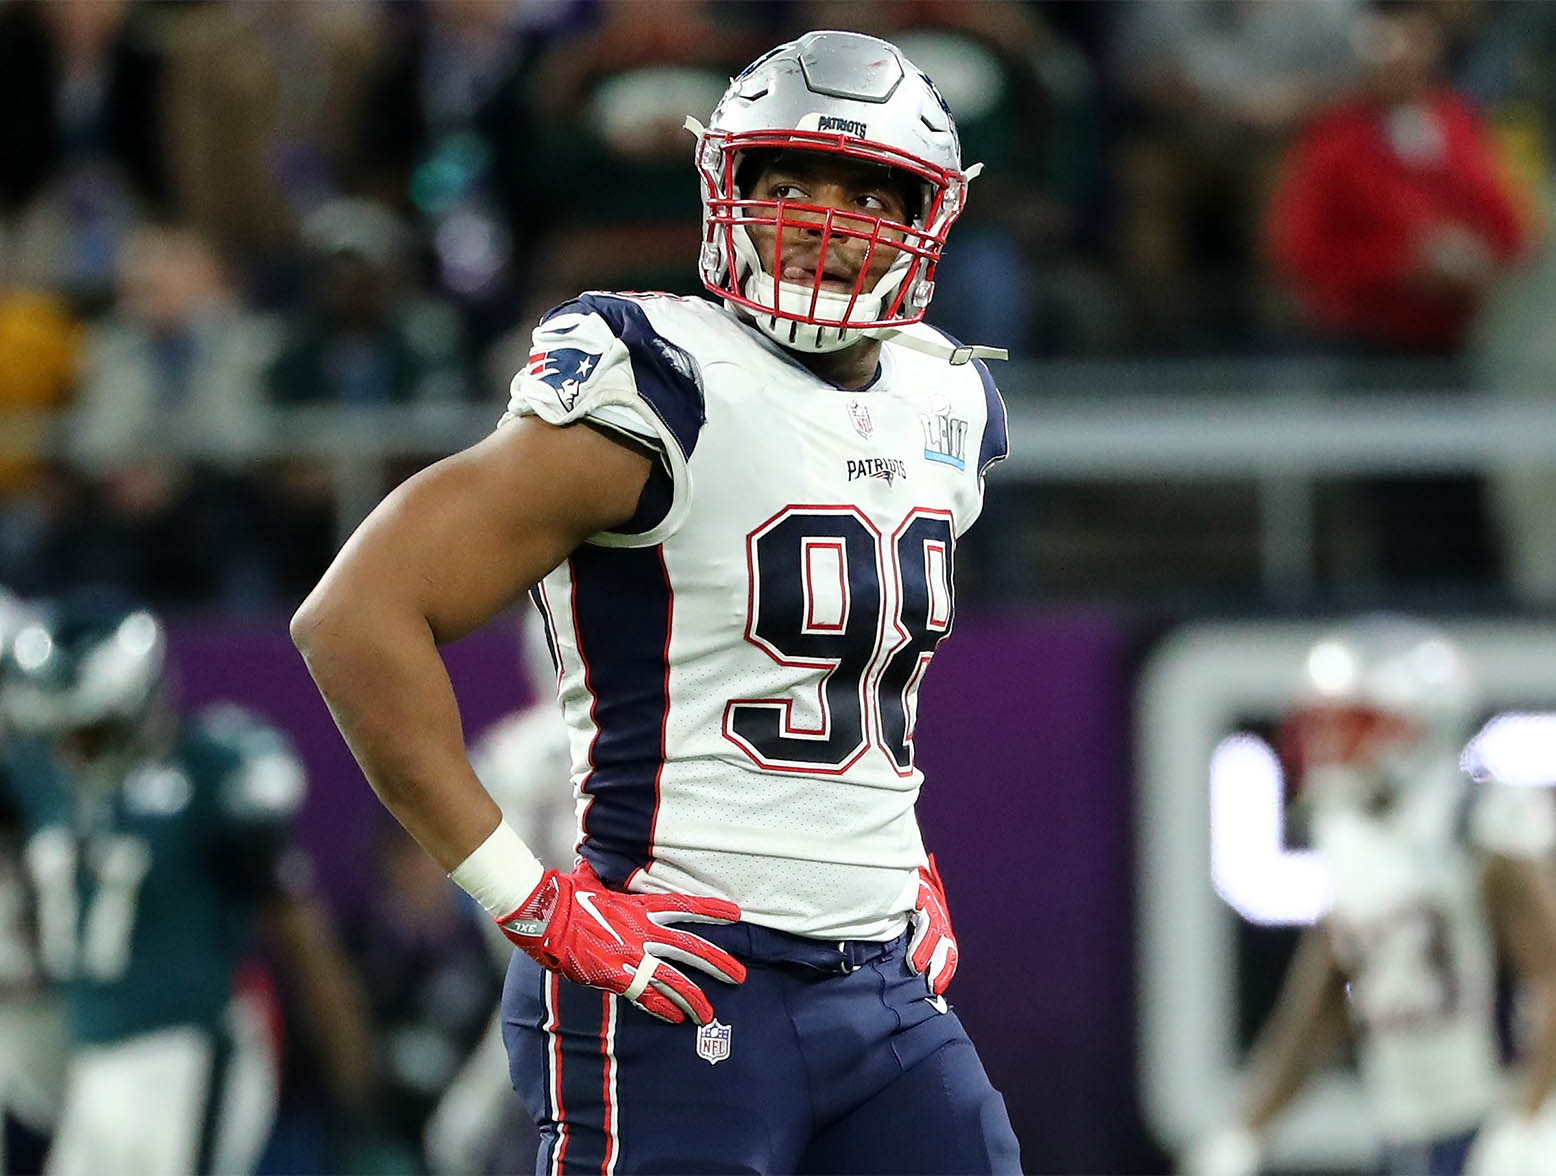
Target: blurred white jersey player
(1434, 868)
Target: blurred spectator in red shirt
(1391, 219)
(1208, 92)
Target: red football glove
(573, 925)
(932, 950)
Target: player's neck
(853, 367)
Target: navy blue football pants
(830, 1058)
(1437, 1157)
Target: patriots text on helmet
(848, 126)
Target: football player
(739, 519)
(33, 1041)
(1434, 870)
(155, 846)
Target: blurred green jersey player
(153, 844)
(33, 1043)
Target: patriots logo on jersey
(888, 469)
(564, 370)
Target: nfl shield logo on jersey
(860, 415)
(713, 1042)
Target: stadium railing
(1283, 425)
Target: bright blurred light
(1436, 661)
(33, 647)
(1332, 667)
(1516, 748)
(473, 250)
(1249, 866)
(138, 634)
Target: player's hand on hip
(932, 950)
(572, 924)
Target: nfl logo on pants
(713, 1042)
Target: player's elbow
(310, 623)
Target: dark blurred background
(260, 260)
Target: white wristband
(500, 874)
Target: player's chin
(828, 285)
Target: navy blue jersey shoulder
(666, 374)
(996, 429)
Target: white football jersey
(740, 671)
(1411, 930)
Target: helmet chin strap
(955, 356)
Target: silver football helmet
(1384, 703)
(89, 673)
(840, 94)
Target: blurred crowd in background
(213, 211)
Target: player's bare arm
(1308, 1020)
(438, 558)
(1307, 1023)
(441, 556)
(1521, 897)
